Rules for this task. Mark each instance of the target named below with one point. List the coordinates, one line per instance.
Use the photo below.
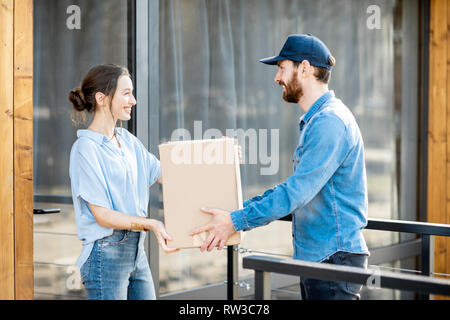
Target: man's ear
(305, 69)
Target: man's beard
(293, 90)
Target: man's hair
(322, 74)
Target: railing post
(431, 261)
(232, 272)
(427, 258)
(262, 285)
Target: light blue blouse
(107, 176)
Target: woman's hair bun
(76, 97)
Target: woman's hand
(117, 220)
(161, 234)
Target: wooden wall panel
(16, 149)
(6, 150)
(23, 148)
(447, 220)
(437, 134)
(439, 129)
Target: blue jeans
(117, 269)
(313, 289)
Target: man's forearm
(259, 197)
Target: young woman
(111, 173)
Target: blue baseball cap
(300, 47)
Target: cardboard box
(198, 174)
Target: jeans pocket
(358, 261)
(354, 260)
(118, 237)
(354, 289)
(84, 270)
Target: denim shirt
(327, 194)
(107, 176)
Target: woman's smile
(128, 109)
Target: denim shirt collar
(316, 106)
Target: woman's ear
(100, 98)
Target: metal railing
(263, 266)
(423, 247)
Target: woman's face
(123, 100)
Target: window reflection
(62, 55)
(209, 72)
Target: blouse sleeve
(154, 168)
(92, 186)
(151, 163)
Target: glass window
(70, 37)
(210, 78)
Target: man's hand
(220, 229)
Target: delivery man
(327, 193)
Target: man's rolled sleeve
(239, 221)
(258, 198)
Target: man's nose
(277, 77)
